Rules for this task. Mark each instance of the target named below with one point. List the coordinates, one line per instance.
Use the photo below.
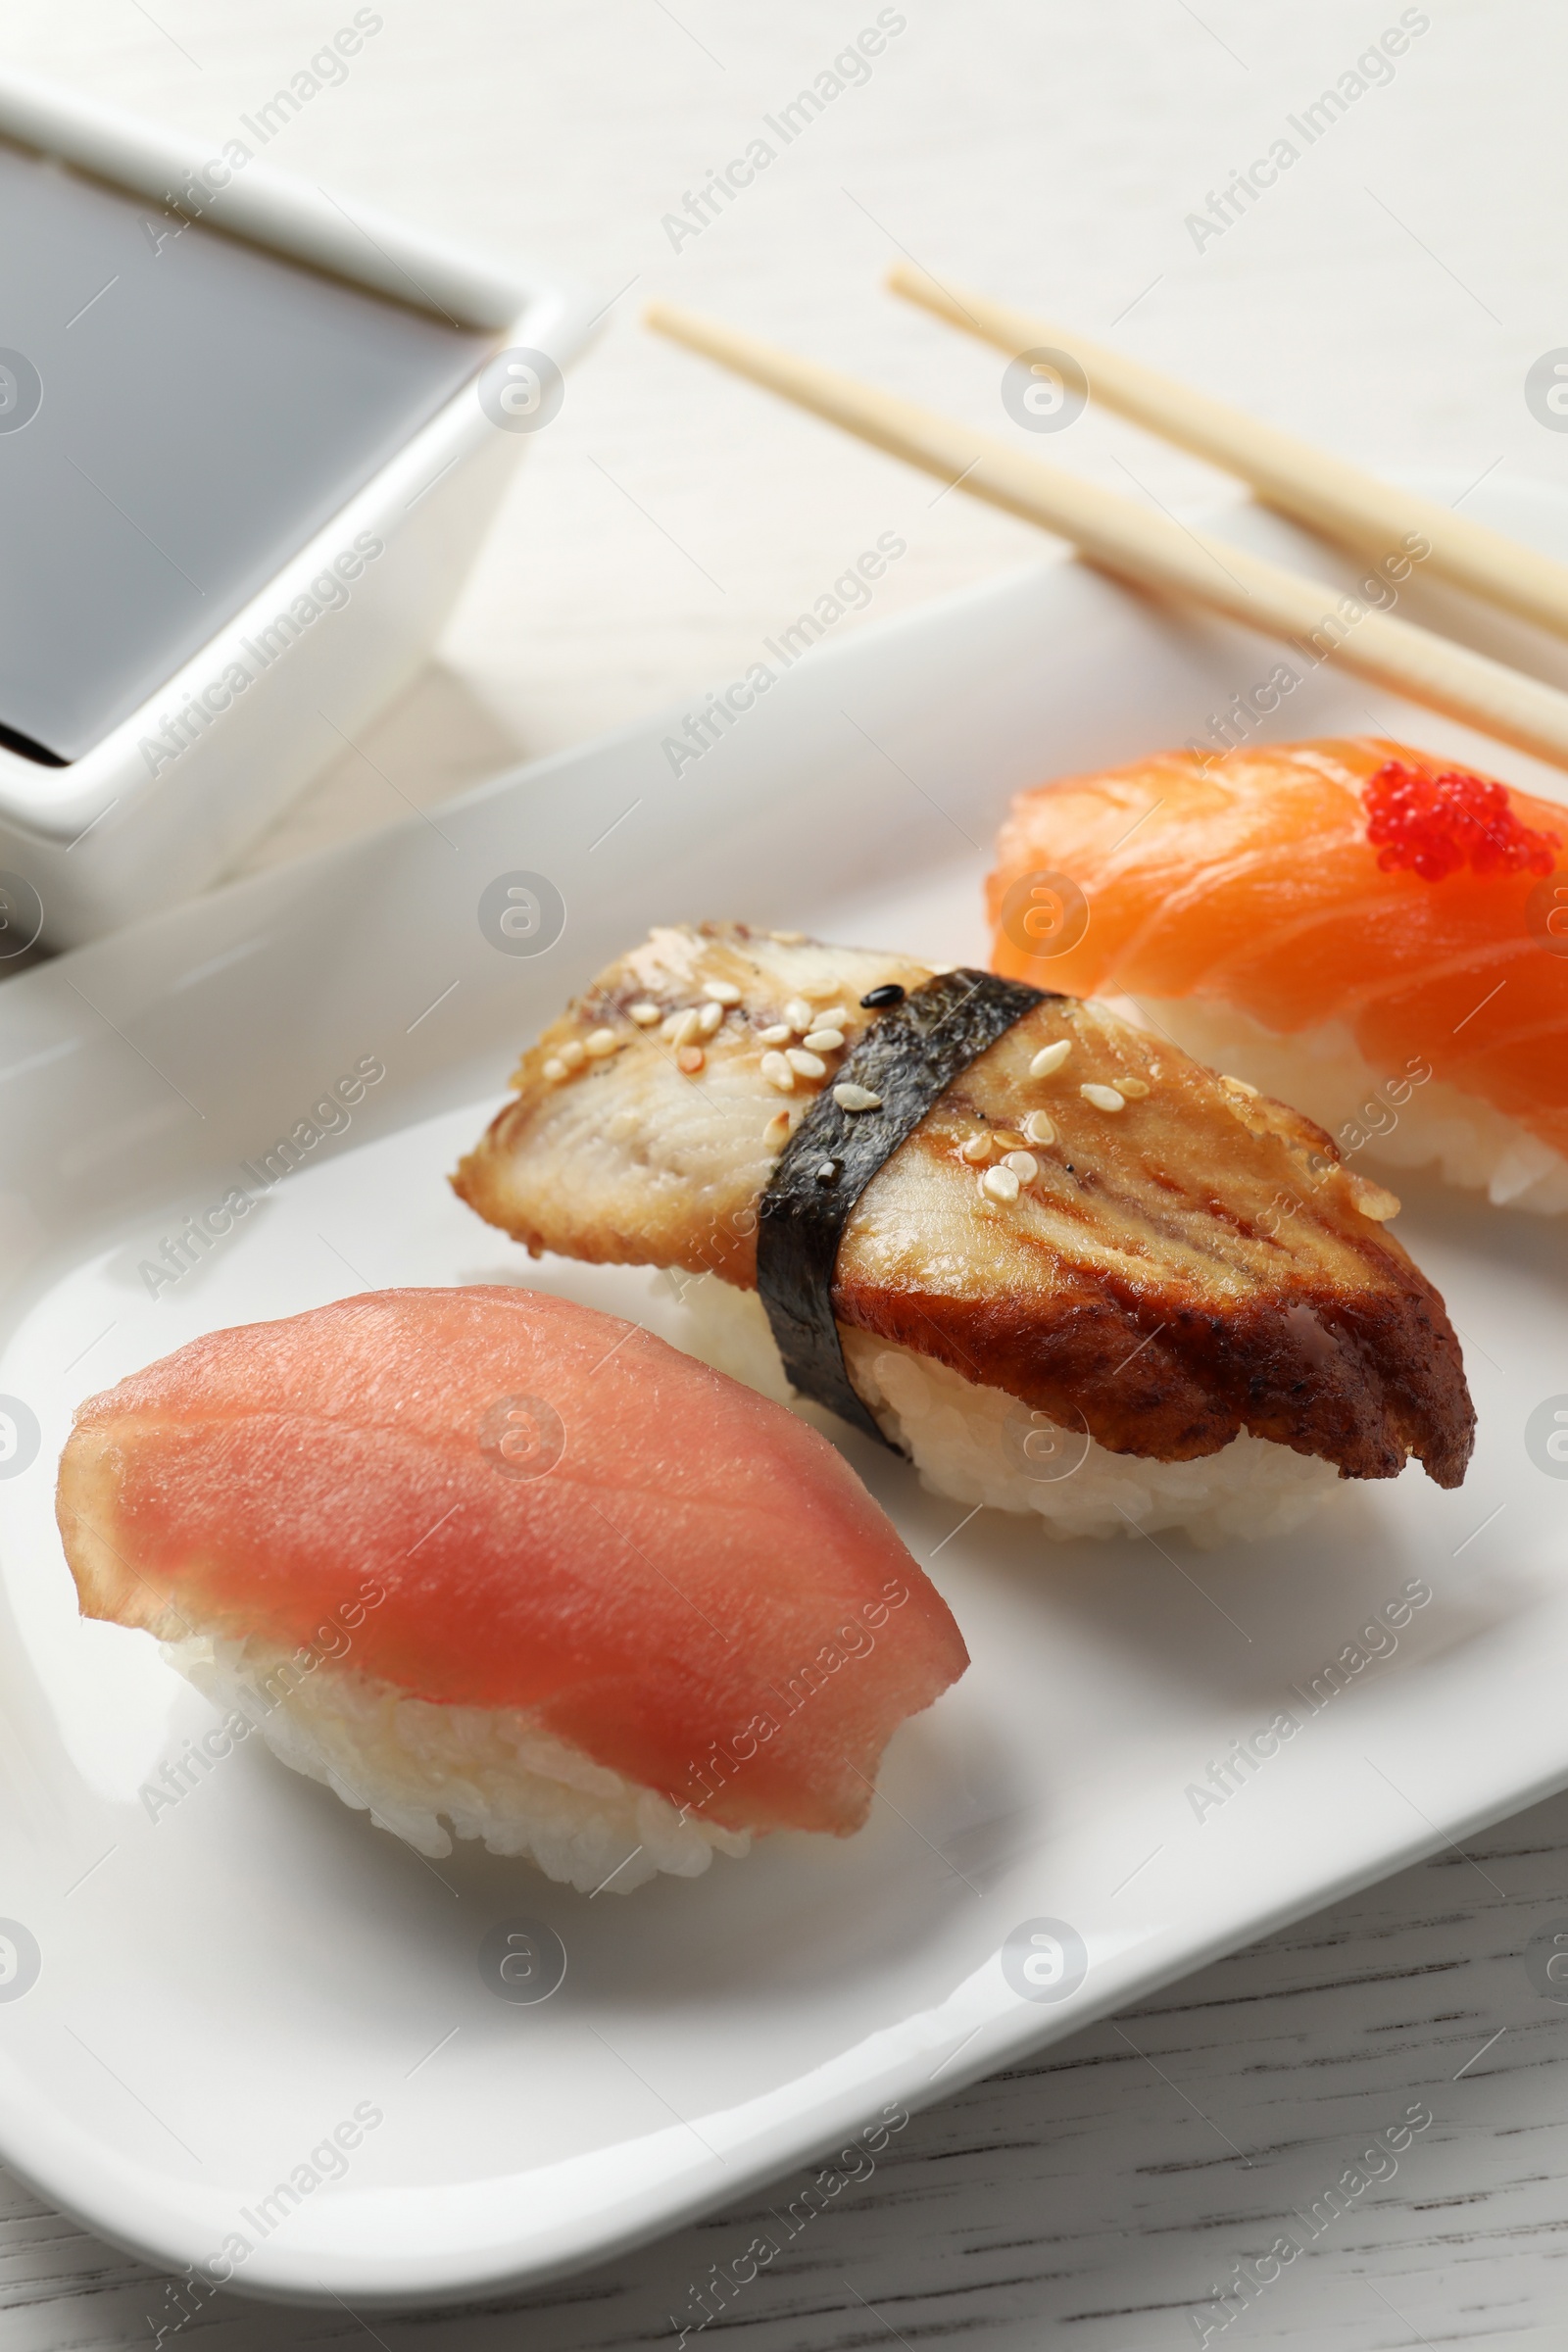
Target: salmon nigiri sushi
(1356, 927)
(488, 1558)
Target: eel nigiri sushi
(1053, 1259)
(1373, 934)
(488, 1556)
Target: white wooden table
(1387, 294)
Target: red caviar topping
(1436, 824)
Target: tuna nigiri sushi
(489, 1558)
(1374, 935)
(1051, 1257)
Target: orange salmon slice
(1248, 879)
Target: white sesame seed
(851, 1097)
(1375, 1201)
(776, 1070)
(708, 1018)
(572, 1054)
(798, 1015)
(975, 1147)
(600, 1042)
(1038, 1128)
(777, 1131)
(804, 1064)
(1135, 1089)
(681, 1027)
(789, 939)
(645, 1015)
(1049, 1058)
(690, 1059)
(833, 1016)
(1237, 1086)
(1000, 1184)
(824, 1041)
(776, 1033)
(819, 990)
(722, 992)
(555, 1069)
(1104, 1098)
(938, 972)
(1024, 1165)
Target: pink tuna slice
(661, 1567)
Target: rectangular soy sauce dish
(250, 435)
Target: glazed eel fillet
(1061, 1264)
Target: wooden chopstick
(1318, 489)
(1150, 549)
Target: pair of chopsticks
(1152, 550)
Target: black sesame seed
(877, 1000)
(828, 1172)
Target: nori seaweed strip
(909, 1056)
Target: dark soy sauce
(179, 412)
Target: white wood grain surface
(1386, 295)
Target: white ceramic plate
(222, 1986)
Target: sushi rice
(487, 1772)
(964, 1440)
(1322, 1072)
